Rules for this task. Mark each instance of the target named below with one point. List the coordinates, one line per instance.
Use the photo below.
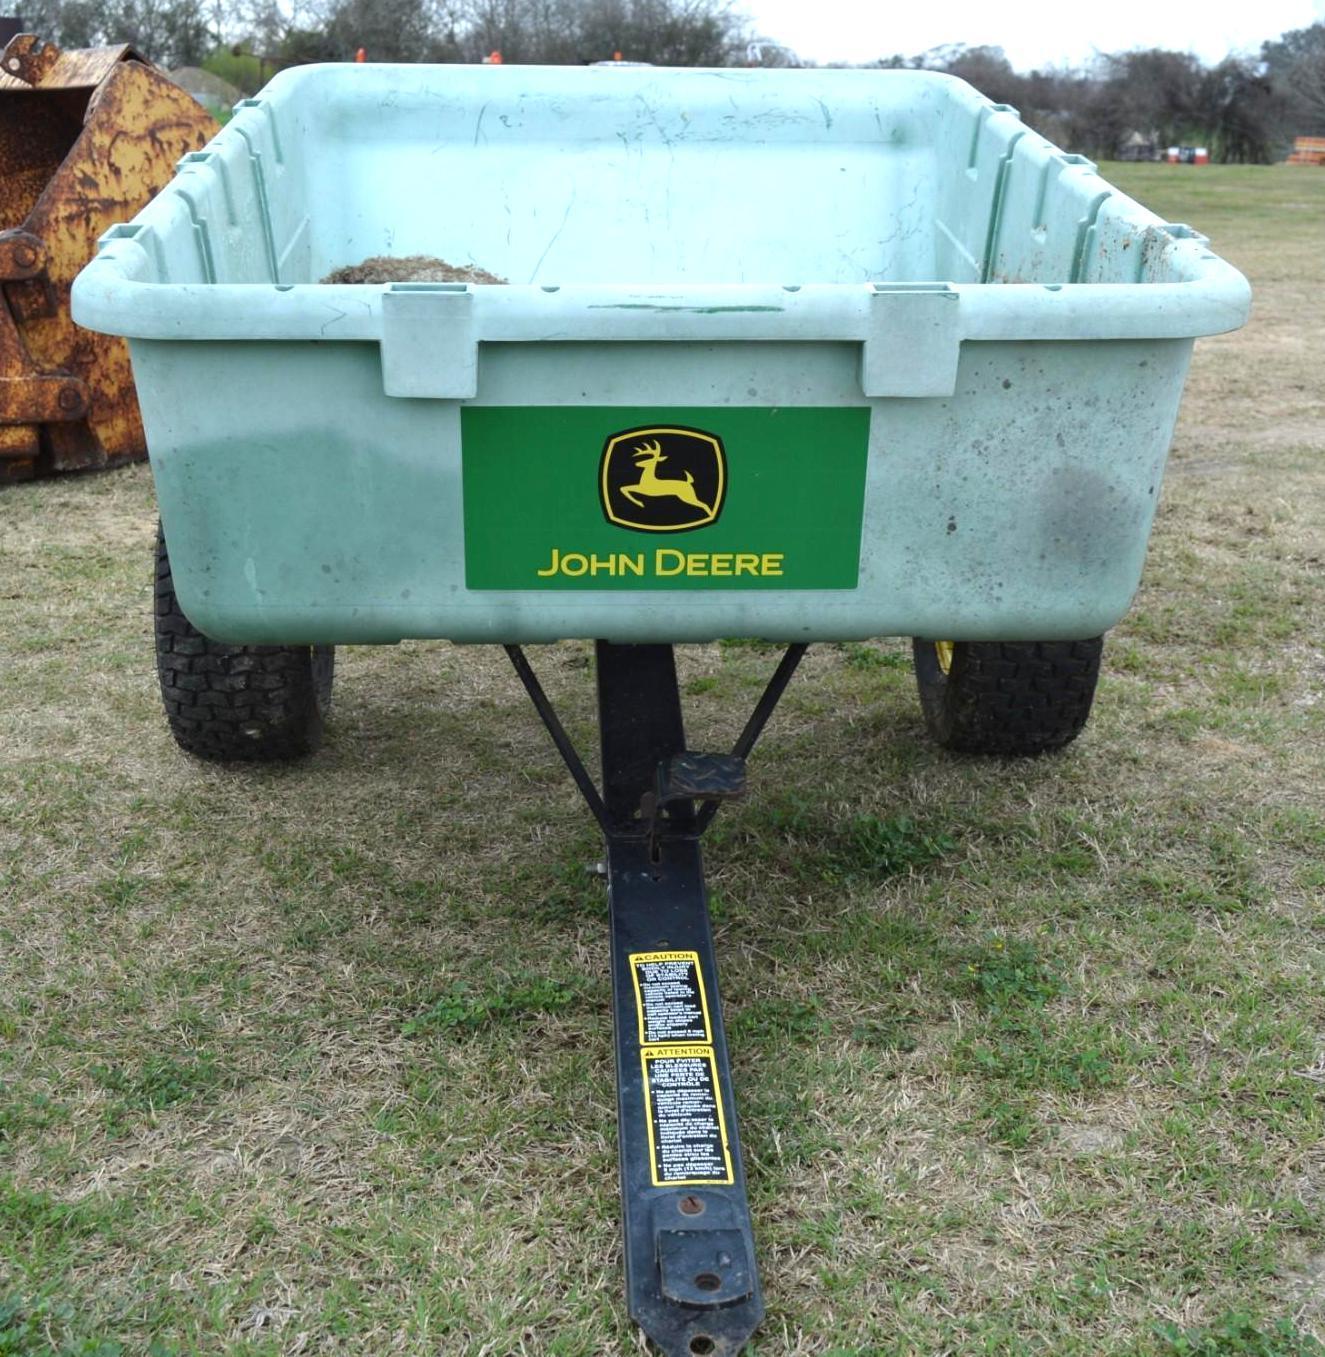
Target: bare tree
(1295, 64)
(1157, 92)
(388, 30)
(521, 30)
(664, 32)
(171, 32)
(69, 23)
(987, 68)
(1241, 112)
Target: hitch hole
(701, 1344)
(708, 1281)
(690, 1205)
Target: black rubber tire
(224, 702)
(1013, 698)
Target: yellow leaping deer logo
(662, 478)
(648, 457)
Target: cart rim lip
(119, 293)
(115, 294)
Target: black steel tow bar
(691, 1280)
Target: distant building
(1137, 146)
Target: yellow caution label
(670, 1001)
(687, 1124)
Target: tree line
(1244, 109)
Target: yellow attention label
(687, 1124)
(670, 1002)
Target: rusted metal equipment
(86, 138)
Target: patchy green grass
(1238, 1335)
(461, 1010)
(1029, 1057)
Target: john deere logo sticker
(663, 479)
(637, 498)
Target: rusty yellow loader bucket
(86, 138)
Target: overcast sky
(1035, 33)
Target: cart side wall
(239, 210)
(678, 176)
(1010, 207)
(689, 177)
(304, 505)
(333, 165)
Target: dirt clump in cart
(410, 268)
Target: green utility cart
(799, 355)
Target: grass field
(1030, 1057)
